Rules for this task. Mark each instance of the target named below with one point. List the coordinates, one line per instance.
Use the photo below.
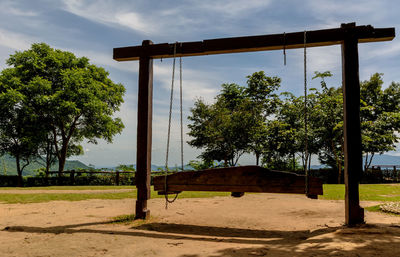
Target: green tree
(328, 124)
(74, 99)
(221, 129)
(380, 118)
(125, 167)
(290, 116)
(263, 102)
(21, 129)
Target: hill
(9, 167)
(383, 159)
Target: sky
(93, 28)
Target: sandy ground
(254, 225)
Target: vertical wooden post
(144, 130)
(117, 178)
(72, 177)
(352, 128)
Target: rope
(169, 134)
(181, 112)
(305, 116)
(284, 48)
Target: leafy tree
(379, 115)
(290, 121)
(222, 129)
(203, 164)
(380, 118)
(328, 124)
(21, 129)
(236, 122)
(125, 167)
(73, 99)
(261, 91)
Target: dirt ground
(254, 225)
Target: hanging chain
(305, 116)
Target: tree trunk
(47, 172)
(294, 161)
(257, 158)
(20, 182)
(62, 158)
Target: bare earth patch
(254, 225)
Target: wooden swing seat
(238, 180)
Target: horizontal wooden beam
(325, 37)
(238, 179)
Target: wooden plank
(144, 133)
(238, 179)
(352, 129)
(292, 40)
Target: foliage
(203, 164)
(221, 128)
(9, 163)
(380, 118)
(256, 120)
(21, 129)
(68, 98)
(125, 167)
(235, 123)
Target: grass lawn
(381, 192)
(368, 192)
(68, 188)
(46, 197)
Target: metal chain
(305, 116)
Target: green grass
(127, 218)
(375, 208)
(38, 198)
(368, 192)
(47, 197)
(68, 188)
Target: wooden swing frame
(348, 36)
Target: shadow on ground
(366, 240)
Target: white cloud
(9, 8)
(15, 41)
(331, 13)
(195, 83)
(102, 59)
(108, 13)
(380, 50)
(231, 8)
(166, 20)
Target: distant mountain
(386, 159)
(9, 167)
(153, 167)
(383, 159)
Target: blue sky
(94, 28)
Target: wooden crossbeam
(292, 40)
(238, 179)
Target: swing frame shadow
(348, 36)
